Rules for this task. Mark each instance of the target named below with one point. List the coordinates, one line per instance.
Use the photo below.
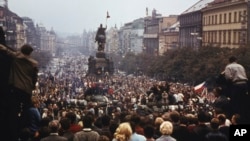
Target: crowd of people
(138, 108)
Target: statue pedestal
(100, 64)
(100, 54)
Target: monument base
(100, 65)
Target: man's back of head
(26, 49)
(232, 59)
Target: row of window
(194, 18)
(225, 37)
(231, 17)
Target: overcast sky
(73, 16)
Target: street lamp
(195, 39)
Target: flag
(200, 87)
(108, 15)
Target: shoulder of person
(2, 47)
(8, 51)
(34, 62)
(30, 59)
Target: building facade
(21, 30)
(131, 37)
(47, 39)
(19, 33)
(30, 32)
(225, 24)
(112, 41)
(12, 25)
(154, 27)
(169, 38)
(191, 25)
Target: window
(239, 37)
(212, 37)
(239, 18)
(245, 13)
(229, 18)
(208, 38)
(234, 37)
(225, 18)
(244, 16)
(219, 36)
(224, 37)
(215, 37)
(212, 20)
(235, 17)
(209, 20)
(220, 22)
(215, 19)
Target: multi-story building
(30, 32)
(112, 40)
(131, 37)
(137, 35)
(47, 39)
(124, 36)
(154, 27)
(225, 23)
(51, 39)
(191, 25)
(88, 41)
(19, 32)
(13, 26)
(169, 38)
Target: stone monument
(100, 65)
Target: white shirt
(235, 72)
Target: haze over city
(74, 16)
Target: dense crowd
(138, 108)
(66, 104)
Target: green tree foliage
(185, 64)
(128, 64)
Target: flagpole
(107, 18)
(106, 21)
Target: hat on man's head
(26, 49)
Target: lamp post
(195, 39)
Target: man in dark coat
(21, 82)
(5, 61)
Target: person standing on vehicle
(236, 75)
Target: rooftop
(198, 6)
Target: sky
(75, 16)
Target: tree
(187, 65)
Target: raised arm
(3, 48)
(7, 50)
